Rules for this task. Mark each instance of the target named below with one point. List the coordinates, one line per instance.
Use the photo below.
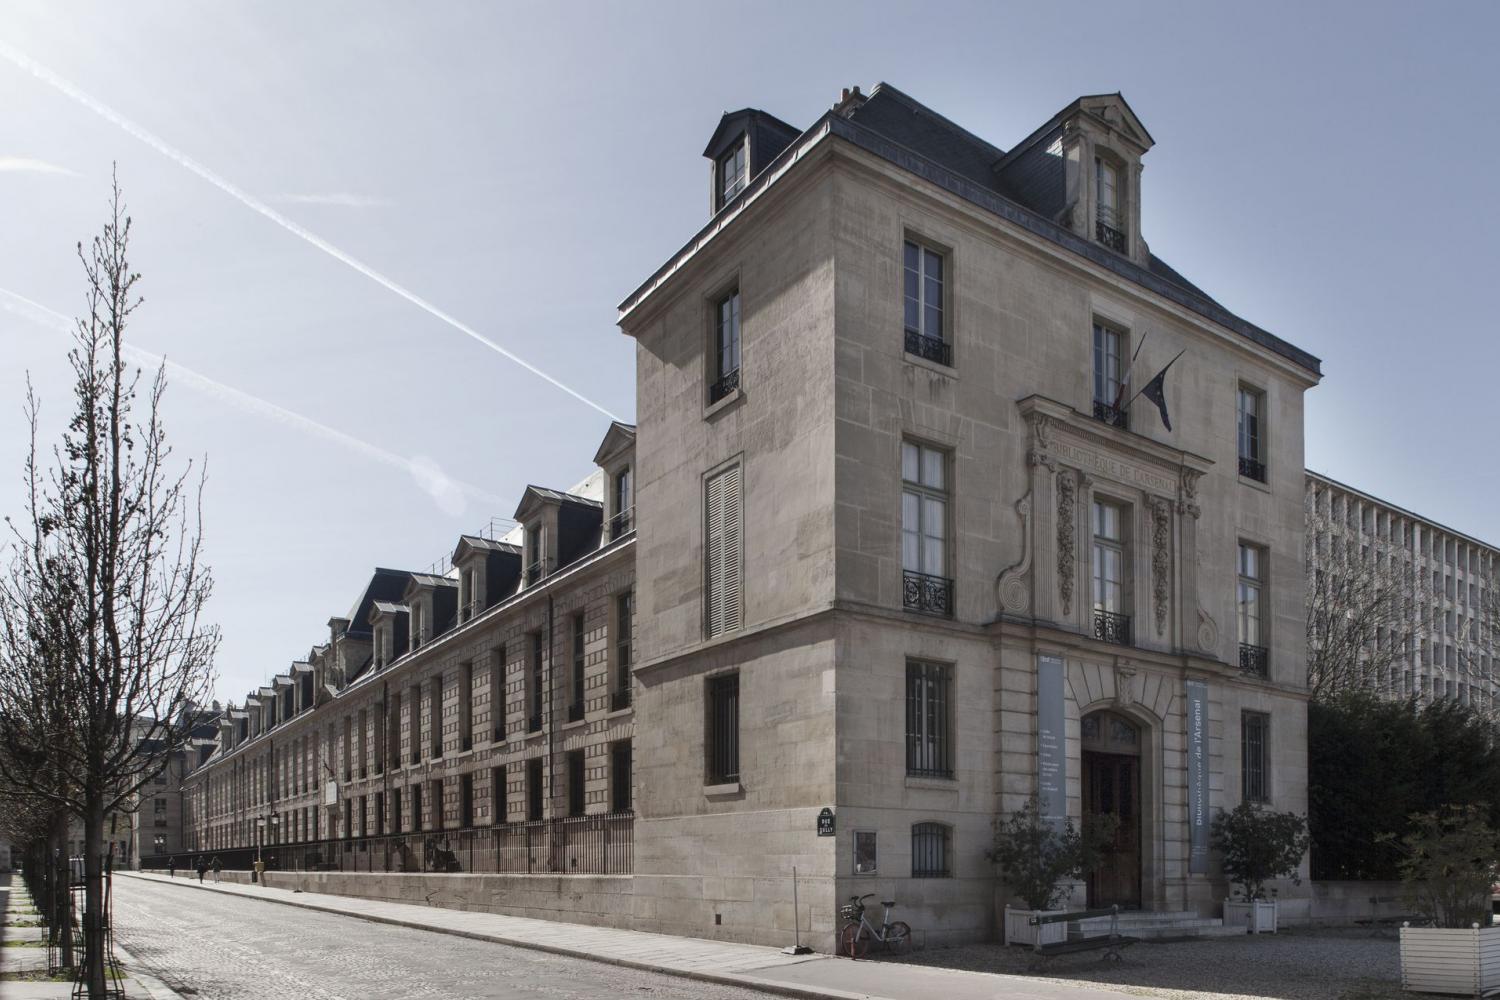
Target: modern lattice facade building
(903, 556)
(1443, 639)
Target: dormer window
(1109, 227)
(732, 173)
(416, 625)
(468, 605)
(535, 569)
(624, 511)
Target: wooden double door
(1112, 787)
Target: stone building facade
(904, 554)
(1445, 642)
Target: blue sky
(1318, 168)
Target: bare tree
(102, 646)
(1368, 610)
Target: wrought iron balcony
(930, 595)
(726, 384)
(575, 711)
(619, 699)
(929, 348)
(1254, 660)
(1110, 626)
(622, 522)
(1115, 416)
(1109, 236)
(1251, 469)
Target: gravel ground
(1297, 964)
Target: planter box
(1257, 916)
(1018, 928)
(1448, 960)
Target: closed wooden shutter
(722, 551)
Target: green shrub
(1035, 855)
(1448, 864)
(1259, 845)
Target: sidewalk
(751, 966)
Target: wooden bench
(1109, 943)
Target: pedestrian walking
(216, 866)
(202, 867)
(172, 866)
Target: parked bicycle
(858, 932)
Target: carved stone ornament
(1067, 532)
(1208, 632)
(1188, 502)
(1124, 682)
(1041, 441)
(1015, 596)
(1161, 560)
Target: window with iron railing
(1111, 623)
(929, 713)
(1249, 611)
(923, 291)
(1109, 228)
(1109, 401)
(1255, 769)
(929, 850)
(621, 523)
(725, 373)
(1250, 407)
(723, 729)
(925, 586)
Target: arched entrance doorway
(1112, 787)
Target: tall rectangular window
(416, 807)
(534, 685)
(620, 777)
(624, 495)
(576, 702)
(465, 801)
(722, 551)
(1111, 622)
(1251, 414)
(466, 706)
(926, 586)
(535, 545)
(922, 296)
(726, 370)
(929, 708)
(1255, 756)
(435, 720)
(500, 812)
(624, 634)
(724, 729)
(416, 625)
(1109, 403)
(1251, 608)
(732, 174)
(497, 695)
(577, 775)
(534, 793)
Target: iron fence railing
(574, 845)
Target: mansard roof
(469, 544)
(535, 496)
(385, 585)
(911, 136)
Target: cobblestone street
(228, 948)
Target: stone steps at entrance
(1148, 924)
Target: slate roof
(912, 136)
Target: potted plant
(1257, 845)
(1038, 860)
(1447, 869)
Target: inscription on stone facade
(1113, 468)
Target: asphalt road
(224, 947)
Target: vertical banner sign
(1197, 748)
(1051, 744)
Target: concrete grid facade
(800, 642)
(1449, 646)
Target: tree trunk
(93, 906)
(59, 904)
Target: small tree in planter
(1038, 859)
(1447, 868)
(1257, 845)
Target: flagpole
(1169, 364)
(1130, 369)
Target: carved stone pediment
(1065, 436)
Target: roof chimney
(849, 100)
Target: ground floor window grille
(929, 851)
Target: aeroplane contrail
(446, 491)
(29, 65)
